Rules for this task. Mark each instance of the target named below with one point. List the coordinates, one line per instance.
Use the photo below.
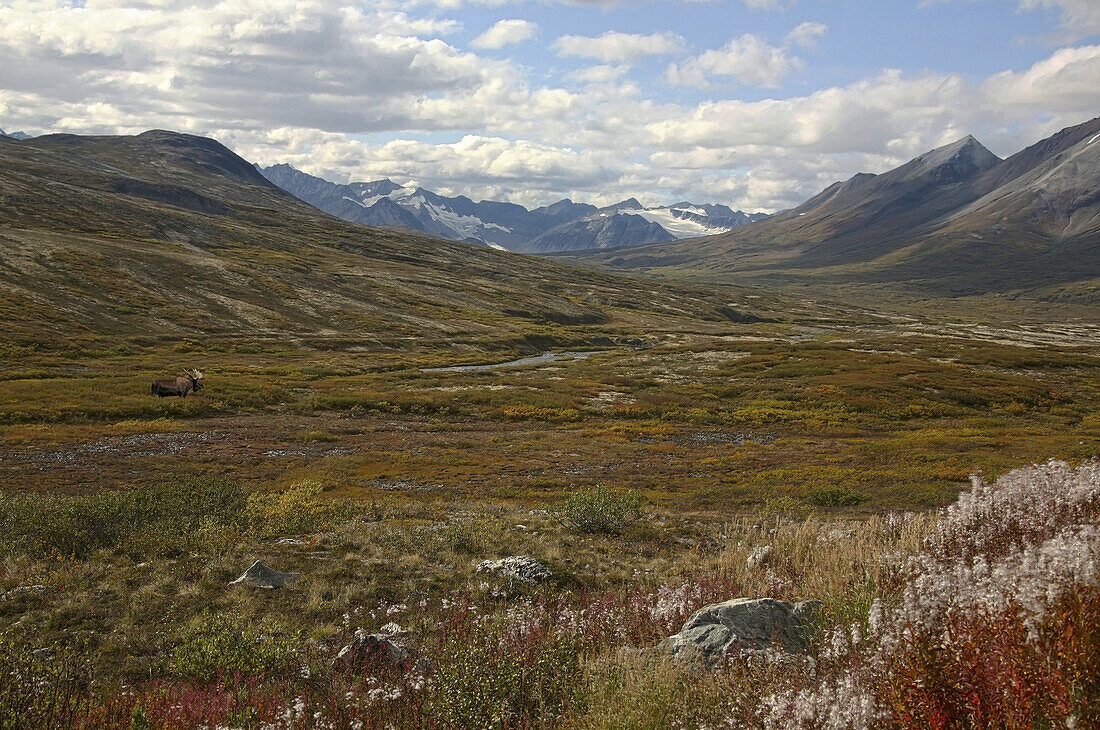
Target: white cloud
(327, 87)
(874, 124)
(613, 46)
(479, 166)
(763, 4)
(1079, 17)
(600, 74)
(749, 59)
(806, 34)
(283, 64)
(506, 32)
(1067, 81)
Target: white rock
(516, 568)
(261, 576)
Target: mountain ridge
(955, 219)
(561, 226)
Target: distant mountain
(15, 135)
(563, 226)
(629, 223)
(957, 218)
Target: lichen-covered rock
(743, 626)
(261, 576)
(370, 649)
(760, 557)
(516, 568)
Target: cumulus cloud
(613, 46)
(748, 58)
(352, 92)
(806, 34)
(506, 32)
(1069, 81)
(289, 63)
(878, 123)
(479, 166)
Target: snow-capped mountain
(385, 203)
(629, 223)
(563, 226)
(15, 135)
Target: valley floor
(126, 516)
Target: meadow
(841, 447)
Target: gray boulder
(370, 649)
(516, 568)
(261, 576)
(743, 626)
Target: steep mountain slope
(957, 219)
(600, 231)
(563, 226)
(1051, 189)
(164, 235)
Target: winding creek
(545, 357)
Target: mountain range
(957, 219)
(563, 226)
(15, 135)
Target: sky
(757, 104)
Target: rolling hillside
(164, 234)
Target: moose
(190, 381)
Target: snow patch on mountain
(467, 226)
(679, 226)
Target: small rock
(836, 534)
(20, 590)
(516, 568)
(760, 557)
(743, 626)
(261, 576)
(366, 649)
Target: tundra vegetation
(644, 477)
(796, 443)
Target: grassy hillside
(164, 235)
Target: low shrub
(297, 510)
(600, 509)
(152, 521)
(38, 687)
(221, 645)
(316, 437)
(836, 497)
